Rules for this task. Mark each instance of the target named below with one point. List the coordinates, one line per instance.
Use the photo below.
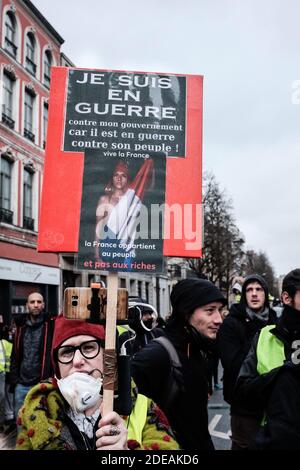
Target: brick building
(29, 47)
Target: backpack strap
(166, 343)
(175, 381)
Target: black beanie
(292, 279)
(189, 294)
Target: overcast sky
(249, 54)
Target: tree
(259, 263)
(223, 242)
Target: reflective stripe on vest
(269, 351)
(137, 419)
(5, 352)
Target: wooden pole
(110, 356)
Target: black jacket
(188, 414)
(142, 338)
(282, 429)
(234, 341)
(44, 352)
(276, 392)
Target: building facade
(29, 46)
(153, 289)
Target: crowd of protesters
(51, 375)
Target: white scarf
(84, 423)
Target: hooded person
(244, 320)
(255, 300)
(270, 375)
(64, 413)
(191, 333)
(142, 319)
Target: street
(219, 421)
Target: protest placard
(126, 116)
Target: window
(147, 291)
(45, 124)
(47, 68)
(30, 54)
(28, 116)
(175, 271)
(140, 287)
(132, 287)
(10, 34)
(7, 105)
(6, 214)
(28, 221)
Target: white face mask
(82, 391)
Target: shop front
(18, 279)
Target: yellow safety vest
(270, 354)
(5, 353)
(137, 419)
(269, 351)
(121, 329)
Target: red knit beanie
(65, 329)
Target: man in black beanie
(244, 320)
(270, 375)
(191, 331)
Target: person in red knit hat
(65, 412)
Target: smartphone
(82, 303)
